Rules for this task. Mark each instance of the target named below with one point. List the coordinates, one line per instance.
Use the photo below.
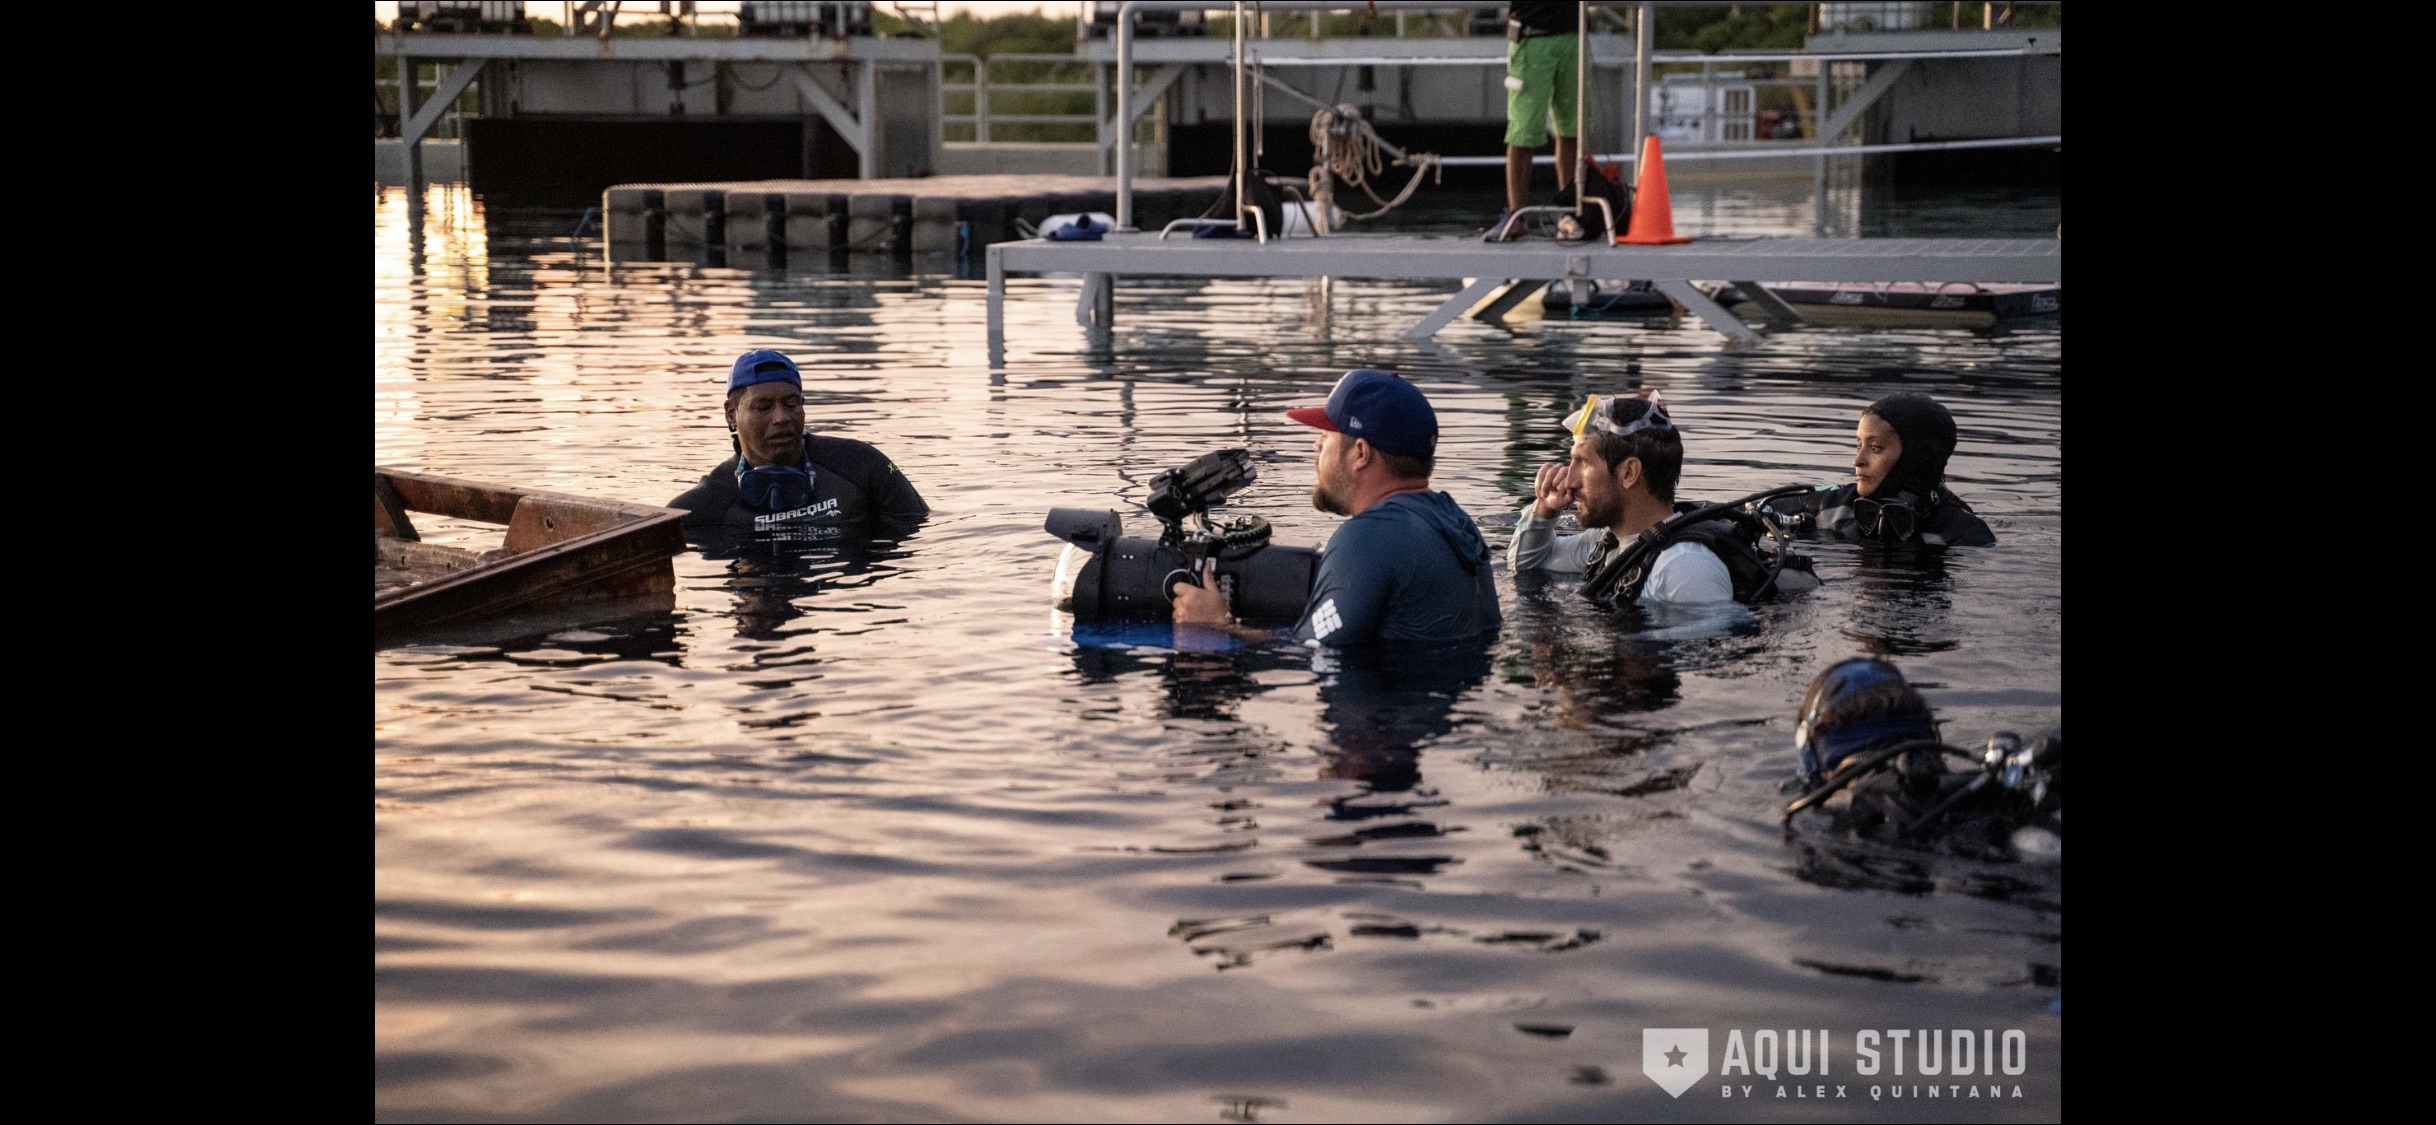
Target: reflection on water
(865, 832)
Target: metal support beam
(414, 148)
(1516, 292)
(1455, 306)
(938, 121)
(1140, 100)
(1880, 81)
(1095, 305)
(1779, 313)
(442, 98)
(1689, 296)
(443, 95)
(830, 109)
(867, 99)
(995, 262)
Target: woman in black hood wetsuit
(1898, 492)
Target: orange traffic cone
(1653, 217)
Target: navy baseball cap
(763, 365)
(1379, 407)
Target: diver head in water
(1855, 705)
(1864, 733)
(1898, 495)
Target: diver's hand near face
(1553, 491)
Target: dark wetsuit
(1924, 797)
(1948, 522)
(855, 489)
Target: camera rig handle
(1199, 485)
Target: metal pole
(1099, 106)
(1640, 88)
(1819, 137)
(1259, 135)
(1708, 101)
(1239, 14)
(981, 100)
(1581, 96)
(867, 106)
(1124, 100)
(413, 143)
(1818, 131)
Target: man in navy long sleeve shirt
(1410, 565)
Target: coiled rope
(1348, 149)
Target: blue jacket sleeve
(1349, 595)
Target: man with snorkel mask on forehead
(1898, 492)
(785, 480)
(1637, 544)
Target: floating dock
(931, 215)
(1500, 275)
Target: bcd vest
(1728, 530)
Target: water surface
(865, 834)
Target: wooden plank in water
(445, 496)
(389, 510)
(542, 520)
(561, 550)
(401, 563)
(627, 561)
(487, 503)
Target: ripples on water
(866, 835)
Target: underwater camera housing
(1104, 575)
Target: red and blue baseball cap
(1379, 407)
(763, 365)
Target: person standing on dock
(786, 480)
(1542, 84)
(1898, 492)
(1410, 564)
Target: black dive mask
(775, 488)
(1899, 518)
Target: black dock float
(936, 216)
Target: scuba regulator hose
(1854, 768)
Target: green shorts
(1545, 64)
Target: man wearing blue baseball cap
(1410, 564)
(787, 480)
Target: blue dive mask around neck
(775, 488)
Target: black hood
(1928, 437)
